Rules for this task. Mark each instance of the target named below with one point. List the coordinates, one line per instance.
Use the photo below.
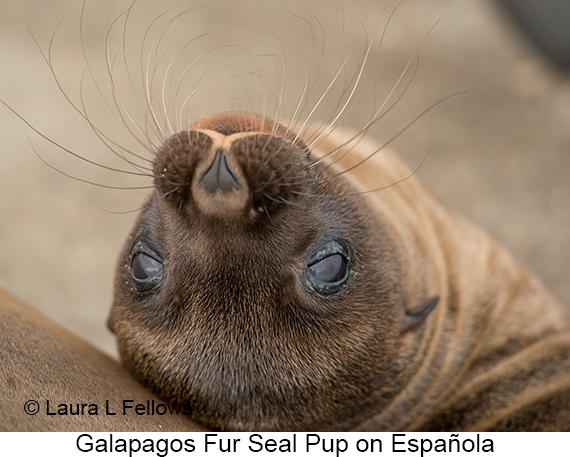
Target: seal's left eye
(331, 269)
(327, 269)
(144, 267)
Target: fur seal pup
(41, 362)
(268, 285)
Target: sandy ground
(499, 153)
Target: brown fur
(40, 361)
(233, 327)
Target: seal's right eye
(327, 269)
(146, 268)
(331, 269)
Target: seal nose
(219, 175)
(219, 187)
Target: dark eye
(327, 269)
(144, 268)
(331, 269)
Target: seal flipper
(417, 314)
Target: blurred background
(499, 152)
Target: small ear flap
(416, 315)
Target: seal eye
(147, 268)
(144, 268)
(331, 269)
(327, 269)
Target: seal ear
(417, 314)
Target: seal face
(257, 287)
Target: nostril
(219, 175)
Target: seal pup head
(257, 288)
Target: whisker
(82, 111)
(281, 91)
(401, 131)
(80, 179)
(121, 112)
(377, 115)
(119, 213)
(322, 97)
(282, 200)
(353, 86)
(358, 136)
(69, 151)
(181, 79)
(308, 89)
(149, 81)
(108, 142)
(198, 89)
